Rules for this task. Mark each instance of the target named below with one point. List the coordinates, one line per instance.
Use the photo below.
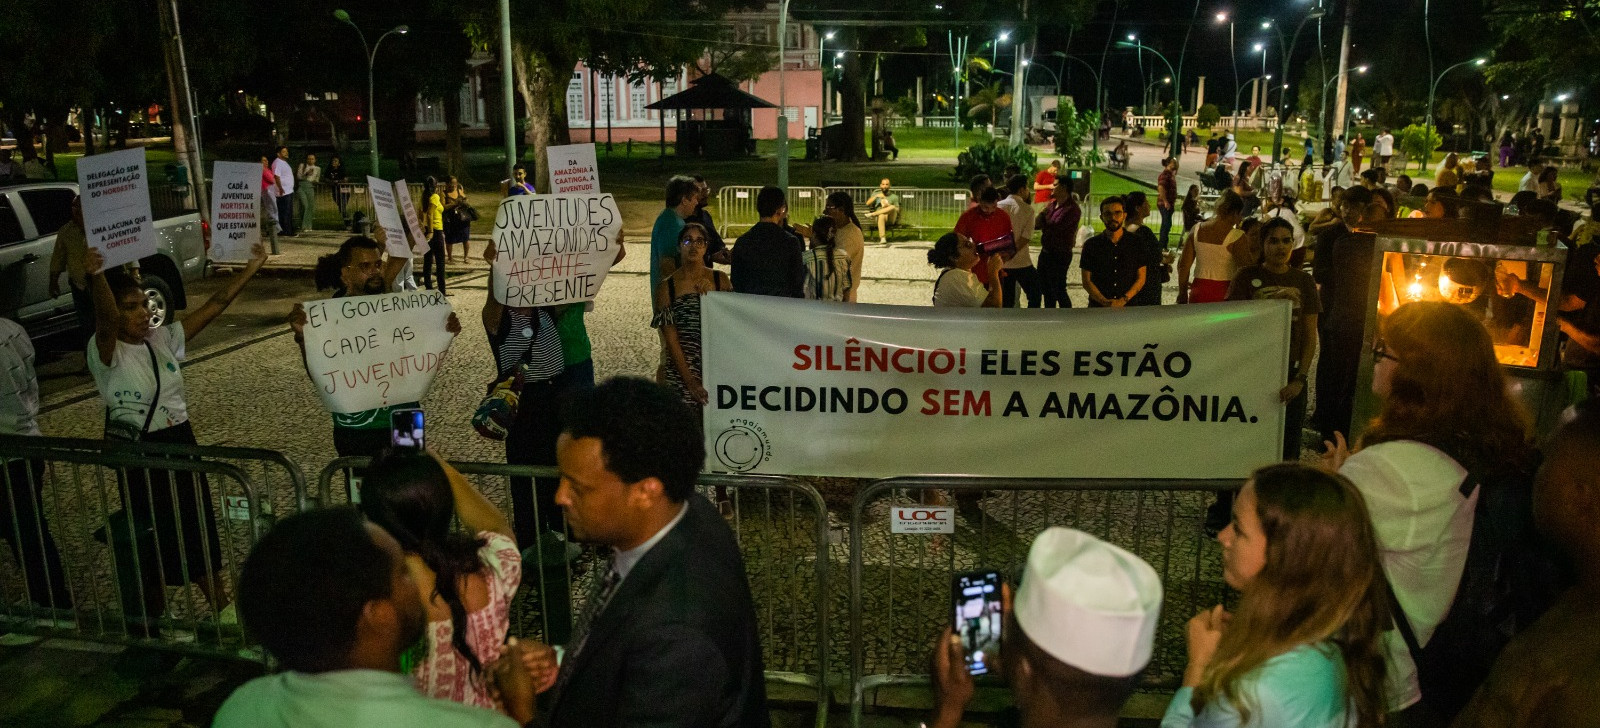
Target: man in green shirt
(884, 206)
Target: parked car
(30, 215)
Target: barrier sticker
(922, 519)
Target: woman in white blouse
(1446, 410)
(956, 285)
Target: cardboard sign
(366, 352)
(553, 248)
(573, 170)
(419, 241)
(116, 205)
(388, 214)
(235, 210)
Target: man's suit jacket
(677, 644)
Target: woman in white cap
(1303, 648)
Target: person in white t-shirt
(283, 190)
(137, 370)
(1019, 271)
(22, 521)
(956, 286)
(1446, 410)
(1383, 149)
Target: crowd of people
(1351, 572)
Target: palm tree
(992, 99)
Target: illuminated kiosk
(1471, 263)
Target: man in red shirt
(1167, 195)
(983, 223)
(1045, 181)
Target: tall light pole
(507, 99)
(1435, 87)
(1233, 57)
(821, 54)
(1283, 98)
(1177, 113)
(372, 102)
(1240, 91)
(783, 102)
(1094, 134)
(1322, 113)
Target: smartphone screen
(405, 429)
(976, 596)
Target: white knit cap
(1088, 603)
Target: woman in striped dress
(678, 313)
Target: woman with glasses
(847, 235)
(1446, 410)
(678, 314)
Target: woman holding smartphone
(166, 516)
(1303, 649)
(465, 578)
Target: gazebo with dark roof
(724, 138)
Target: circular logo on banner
(742, 447)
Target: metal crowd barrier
(327, 213)
(900, 583)
(921, 209)
(115, 545)
(782, 528)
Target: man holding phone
(988, 228)
(1078, 633)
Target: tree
(1207, 116)
(1072, 126)
(989, 100)
(1418, 142)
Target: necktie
(580, 633)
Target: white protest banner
(573, 170)
(116, 205)
(388, 214)
(553, 248)
(365, 352)
(419, 242)
(809, 388)
(235, 210)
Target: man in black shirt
(1113, 265)
(1137, 205)
(716, 249)
(767, 259)
(1341, 266)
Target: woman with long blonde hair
(1447, 410)
(1303, 649)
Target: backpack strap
(1402, 623)
(936, 282)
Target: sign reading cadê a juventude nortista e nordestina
(809, 388)
(366, 352)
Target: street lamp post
(1239, 92)
(1322, 113)
(822, 54)
(1435, 87)
(783, 104)
(372, 102)
(1233, 57)
(1094, 134)
(1177, 119)
(1277, 138)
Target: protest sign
(365, 352)
(553, 248)
(235, 210)
(116, 205)
(388, 214)
(419, 242)
(808, 388)
(573, 170)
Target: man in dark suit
(669, 637)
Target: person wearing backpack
(1447, 414)
(1547, 675)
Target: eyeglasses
(1281, 239)
(1380, 351)
(693, 240)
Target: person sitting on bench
(884, 206)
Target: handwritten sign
(573, 170)
(116, 205)
(419, 241)
(383, 208)
(235, 210)
(366, 352)
(553, 248)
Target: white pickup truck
(30, 215)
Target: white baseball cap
(1089, 604)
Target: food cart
(1495, 269)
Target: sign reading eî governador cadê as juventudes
(366, 352)
(810, 388)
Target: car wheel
(158, 297)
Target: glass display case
(1513, 289)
